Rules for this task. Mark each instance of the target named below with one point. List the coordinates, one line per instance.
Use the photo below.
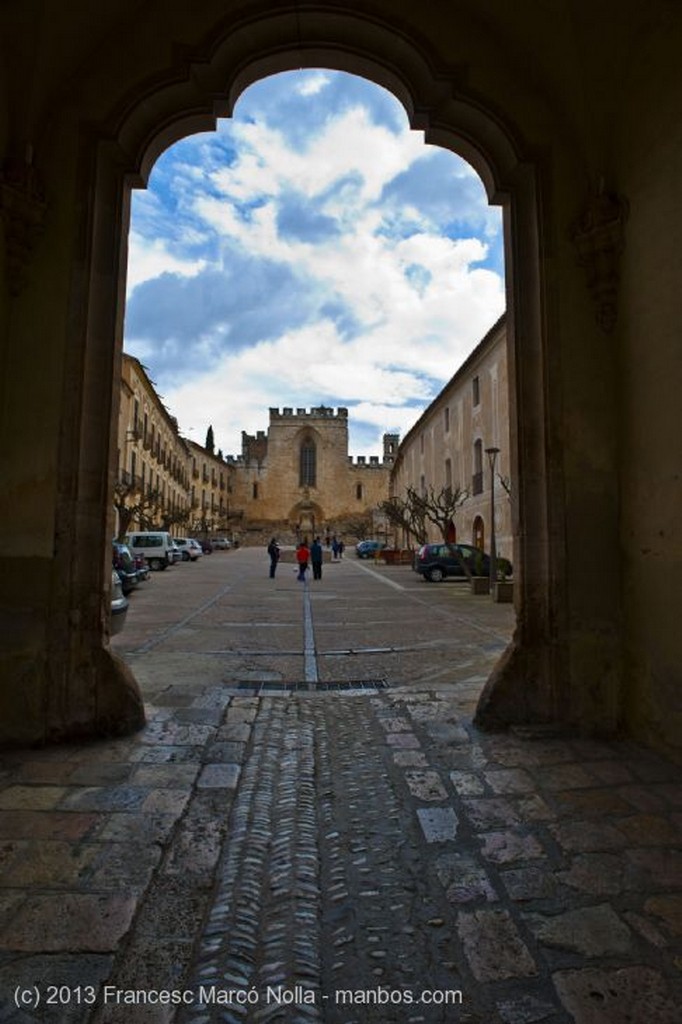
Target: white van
(156, 547)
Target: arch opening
(385, 245)
(118, 157)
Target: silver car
(187, 548)
(119, 605)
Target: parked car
(369, 548)
(141, 567)
(156, 546)
(124, 565)
(437, 561)
(206, 547)
(119, 605)
(188, 548)
(221, 544)
(196, 547)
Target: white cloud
(149, 258)
(390, 303)
(267, 163)
(310, 86)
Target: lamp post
(492, 454)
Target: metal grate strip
(271, 689)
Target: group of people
(305, 555)
(336, 546)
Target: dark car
(437, 561)
(369, 548)
(143, 571)
(125, 566)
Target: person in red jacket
(302, 557)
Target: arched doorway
(478, 534)
(92, 690)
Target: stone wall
(440, 449)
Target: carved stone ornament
(22, 207)
(599, 238)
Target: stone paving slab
(341, 849)
(69, 922)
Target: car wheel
(156, 564)
(436, 574)
(185, 556)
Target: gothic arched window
(308, 464)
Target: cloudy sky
(311, 251)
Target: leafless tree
(416, 509)
(440, 507)
(407, 513)
(359, 526)
(134, 505)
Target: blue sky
(311, 251)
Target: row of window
(476, 398)
(359, 491)
(153, 442)
(208, 502)
(477, 476)
(214, 478)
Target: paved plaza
(309, 828)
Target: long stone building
(152, 459)
(163, 479)
(447, 447)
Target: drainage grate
(271, 689)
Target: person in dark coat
(273, 551)
(316, 558)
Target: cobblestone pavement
(310, 829)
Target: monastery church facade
(299, 478)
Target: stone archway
(117, 155)
(306, 519)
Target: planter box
(480, 584)
(392, 556)
(503, 592)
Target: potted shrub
(503, 591)
(478, 581)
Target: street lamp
(492, 454)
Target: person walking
(316, 558)
(335, 548)
(302, 558)
(273, 552)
